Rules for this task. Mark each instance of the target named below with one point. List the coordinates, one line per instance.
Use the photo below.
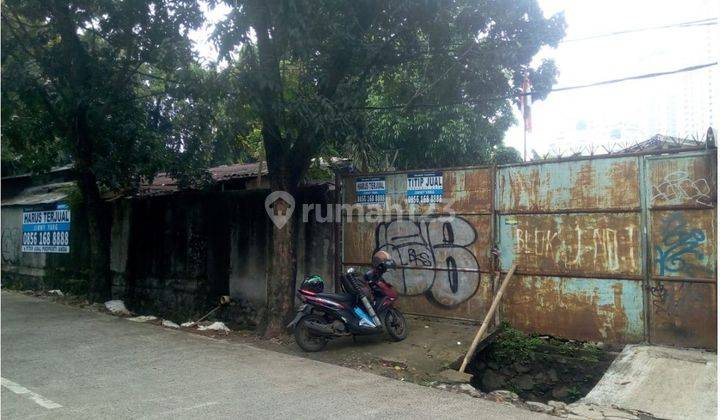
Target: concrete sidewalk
(98, 366)
(666, 382)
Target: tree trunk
(99, 236)
(281, 273)
(96, 214)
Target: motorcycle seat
(339, 297)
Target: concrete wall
(179, 253)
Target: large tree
(309, 69)
(89, 80)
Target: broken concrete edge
(555, 408)
(576, 410)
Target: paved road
(98, 366)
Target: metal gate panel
(600, 184)
(580, 308)
(681, 279)
(589, 244)
(683, 313)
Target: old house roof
(164, 183)
(43, 194)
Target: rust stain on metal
(598, 243)
(573, 308)
(469, 190)
(587, 184)
(625, 189)
(683, 313)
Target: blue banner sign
(424, 188)
(46, 229)
(370, 190)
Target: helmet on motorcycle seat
(313, 284)
(380, 258)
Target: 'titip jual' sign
(424, 188)
(46, 229)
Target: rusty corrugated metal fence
(619, 249)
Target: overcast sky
(679, 105)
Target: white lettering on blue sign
(424, 188)
(46, 229)
(370, 190)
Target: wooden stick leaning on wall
(488, 317)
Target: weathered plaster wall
(179, 253)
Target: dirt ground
(430, 347)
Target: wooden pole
(496, 285)
(488, 317)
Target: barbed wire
(655, 143)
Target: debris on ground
(117, 307)
(215, 326)
(56, 292)
(452, 375)
(142, 318)
(187, 324)
(169, 324)
(461, 389)
(539, 407)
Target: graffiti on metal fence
(605, 248)
(433, 257)
(679, 245)
(658, 298)
(680, 186)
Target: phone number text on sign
(46, 229)
(425, 188)
(370, 190)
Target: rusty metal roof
(163, 183)
(43, 194)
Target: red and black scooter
(366, 307)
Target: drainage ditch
(539, 368)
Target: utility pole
(525, 101)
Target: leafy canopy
(99, 83)
(313, 72)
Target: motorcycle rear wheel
(305, 338)
(395, 324)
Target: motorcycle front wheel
(305, 338)
(395, 324)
